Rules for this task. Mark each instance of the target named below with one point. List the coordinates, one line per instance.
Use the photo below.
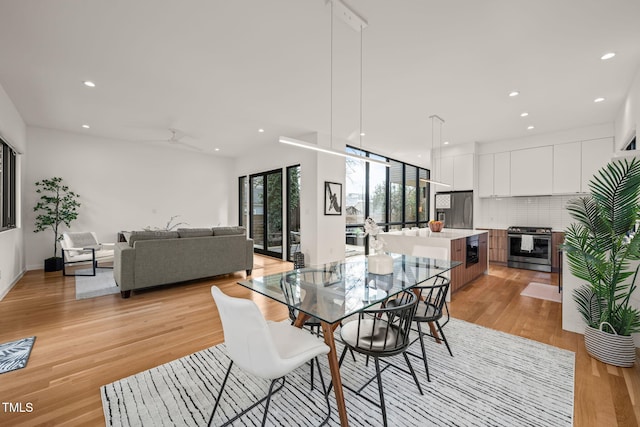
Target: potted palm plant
(600, 246)
(57, 205)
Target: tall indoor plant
(57, 205)
(599, 247)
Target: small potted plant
(599, 247)
(57, 205)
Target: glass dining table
(334, 291)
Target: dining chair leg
(382, 406)
(424, 353)
(444, 338)
(266, 406)
(413, 373)
(224, 383)
(326, 393)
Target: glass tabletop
(334, 291)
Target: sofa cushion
(195, 232)
(228, 231)
(151, 235)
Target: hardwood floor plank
(82, 345)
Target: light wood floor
(82, 345)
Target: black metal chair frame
(267, 398)
(432, 297)
(94, 262)
(397, 316)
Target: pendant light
(358, 24)
(433, 162)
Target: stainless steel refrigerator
(455, 208)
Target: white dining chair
(265, 349)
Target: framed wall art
(332, 198)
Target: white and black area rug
(101, 284)
(15, 354)
(494, 379)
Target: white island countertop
(446, 233)
(407, 241)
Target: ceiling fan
(176, 139)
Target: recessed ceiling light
(514, 93)
(530, 127)
(446, 142)
(598, 100)
(608, 55)
(89, 83)
(362, 134)
(525, 114)
(86, 126)
(261, 130)
(216, 149)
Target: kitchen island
(467, 246)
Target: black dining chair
(379, 333)
(431, 309)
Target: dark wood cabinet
(462, 275)
(557, 238)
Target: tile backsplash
(545, 211)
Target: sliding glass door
(265, 219)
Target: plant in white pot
(57, 205)
(600, 246)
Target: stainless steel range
(529, 248)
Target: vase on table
(380, 263)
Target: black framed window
(395, 197)
(7, 187)
(243, 200)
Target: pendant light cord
(361, 29)
(331, 78)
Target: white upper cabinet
(463, 172)
(532, 171)
(494, 175)
(595, 154)
(444, 171)
(456, 171)
(502, 174)
(485, 175)
(567, 166)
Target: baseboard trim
(3, 293)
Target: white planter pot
(613, 349)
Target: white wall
(12, 251)
(125, 186)
(503, 212)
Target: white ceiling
(220, 70)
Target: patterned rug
(101, 284)
(542, 291)
(15, 354)
(494, 379)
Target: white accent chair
(262, 348)
(83, 247)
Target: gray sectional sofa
(153, 258)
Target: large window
(396, 197)
(7, 187)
